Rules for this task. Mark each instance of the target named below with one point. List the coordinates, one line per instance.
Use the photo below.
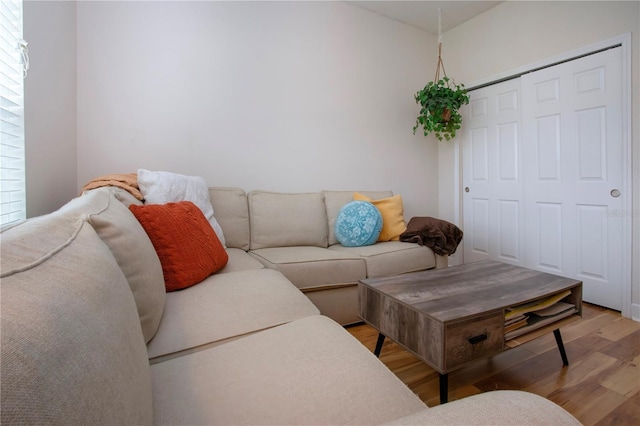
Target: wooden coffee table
(454, 316)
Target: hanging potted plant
(440, 101)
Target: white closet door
(493, 212)
(572, 164)
(542, 173)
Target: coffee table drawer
(471, 339)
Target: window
(13, 68)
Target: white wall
(50, 105)
(295, 96)
(284, 96)
(514, 34)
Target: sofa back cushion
(124, 197)
(287, 219)
(335, 200)
(72, 350)
(232, 213)
(130, 245)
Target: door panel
(508, 151)
(480, 155)
(592, 155)
(492, 208)
(547, 143)
(547, 218)
(592, 242)
(509, 230)
(480, 236)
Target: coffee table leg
(563, 354)
(444, 388)
(379, 344)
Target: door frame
(624, 41)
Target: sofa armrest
(493, 408)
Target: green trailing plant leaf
(440, 102)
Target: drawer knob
(477, 339)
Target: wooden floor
(601, 385)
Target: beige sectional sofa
(89, 335)
(293, 233)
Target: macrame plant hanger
(446, 114)
(440, 100)
(440, 63)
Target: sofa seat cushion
(313, 267)
(309, 371)
(287, 220)
(493, 408)
(240, 260)
(225, 306)
(72, 349)
(391, 257)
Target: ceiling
(424, 14)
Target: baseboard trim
(635, 312)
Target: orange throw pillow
(187, 246)
(392, 212)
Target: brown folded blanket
(439, 235)
(126, 181)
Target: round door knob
(466, 189)
(615, 193)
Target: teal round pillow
(358, 224)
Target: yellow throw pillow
(392, 215)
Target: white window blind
(13, 66)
